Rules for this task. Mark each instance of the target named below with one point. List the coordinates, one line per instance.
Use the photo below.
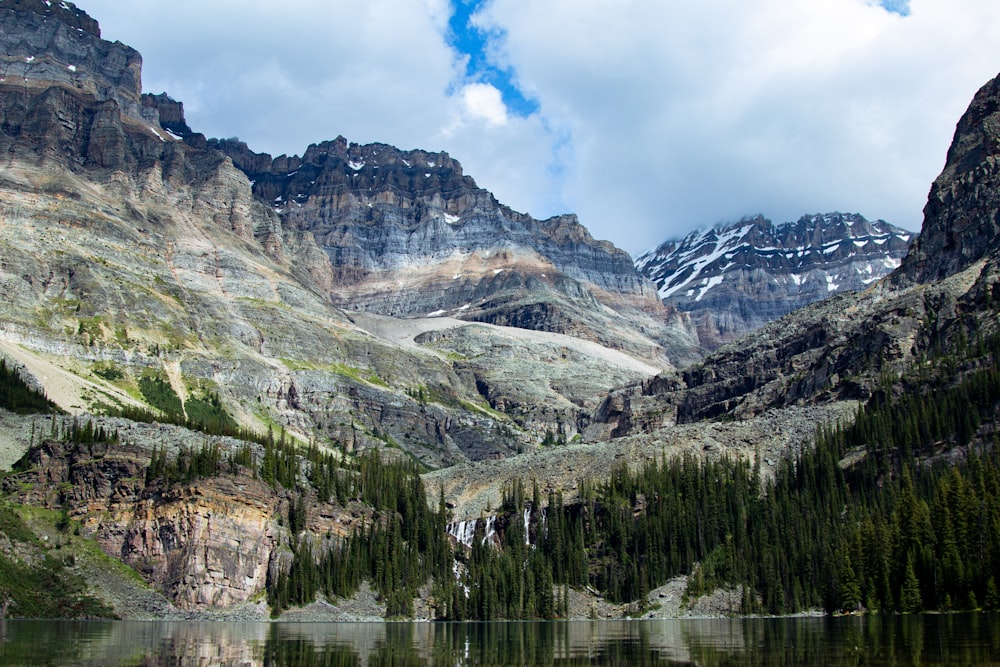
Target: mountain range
(732, 279)
(229, 337)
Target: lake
(953, 639)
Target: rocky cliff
(961, 219)
(211, 543)
(49, 43)
(734, 278)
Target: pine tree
(909, 594)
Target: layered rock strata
(408, 234)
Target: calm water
(972, 639)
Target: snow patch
(701, 249)
(356, 166)
(71, 68)
(436, 313)
(451, 219)
(709, 284)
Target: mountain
(258, 403)
(144, 277)
(408, 234)
(734, 278)
(845, 347)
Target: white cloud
(684, 114)
(483, 101)
(654, 117)
(284, 75)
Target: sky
(646, 118)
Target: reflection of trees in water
(967, 639)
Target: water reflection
(972, 639)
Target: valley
(275, 383)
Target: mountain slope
(735, 278)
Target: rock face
(408, 234)
(53, 43)
(209, 544)
(962, 215)
(735, 278)
(124, 245)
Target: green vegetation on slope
(35, 581)
(18, 397)
(898, 510)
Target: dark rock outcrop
(170, 113)
(962, 215)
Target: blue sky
(473, 42)
(901, 7)
(647, 119)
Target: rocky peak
(381, 208)
(170, 112)
(48, 43)
(66, 12)
(961, 221)
(736, 277)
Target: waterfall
(465, 531)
